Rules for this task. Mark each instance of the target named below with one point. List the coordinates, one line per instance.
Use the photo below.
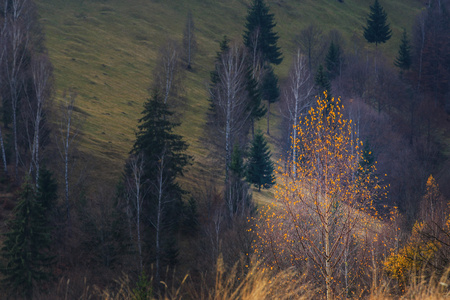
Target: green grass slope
(106, 50)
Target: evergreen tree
(259, 36)
(332, 60)
(403, 59)
(25, 250)
(238, 197)
(155, 136)
(270, 91)
(377, 31)
(257, 110)
(164, 161)
(237, 163)
(322, 82)
(260, 167)
(47, 190)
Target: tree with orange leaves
(320, 207)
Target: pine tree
(377, 31)
(332, 60)
(260, 167)
(259, 36)
(25, 250)
(403, 59)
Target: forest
(248, 159)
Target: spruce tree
(403, 59)
(25, 250)
(332, 60)
(238, 197)
(256, 109)
(259, 36)
(164, 161)
(322, 82)
(377, 31)
(260, 167)
(270, 91)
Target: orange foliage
(323, 203)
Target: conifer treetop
(259, 35)
(377, 30)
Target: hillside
(106, 50)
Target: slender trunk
(5, 165)
(138, 220)
(268, 117)
(16, 148)
(328, 270)
(159, 222)
(66, 168)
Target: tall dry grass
(252, 282)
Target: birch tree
(320, 206)
(42, 76)
(16, 40)
(230, 116)
(67, 134)
(136, 193)
(164, 160)
(296, 99)
(167, 73)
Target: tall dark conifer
(377, 30)
(322, 82)
(403, 59)
(260, 167)
(26, 248)
(164, 158)
(332, 60)
(270, 91)
(259, 36)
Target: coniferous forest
(248, 149)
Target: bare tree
(189, 40)
(311, 43)
(231, 115)
(167, 73)
(159, 189)
(42, 76)
(67, 136)
(296, 98)
(15, 42)
(136, 194)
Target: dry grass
(242, 282)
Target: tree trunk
(268, 118)
(5, 164)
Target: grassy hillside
(106, 51)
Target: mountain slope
(106, 50)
